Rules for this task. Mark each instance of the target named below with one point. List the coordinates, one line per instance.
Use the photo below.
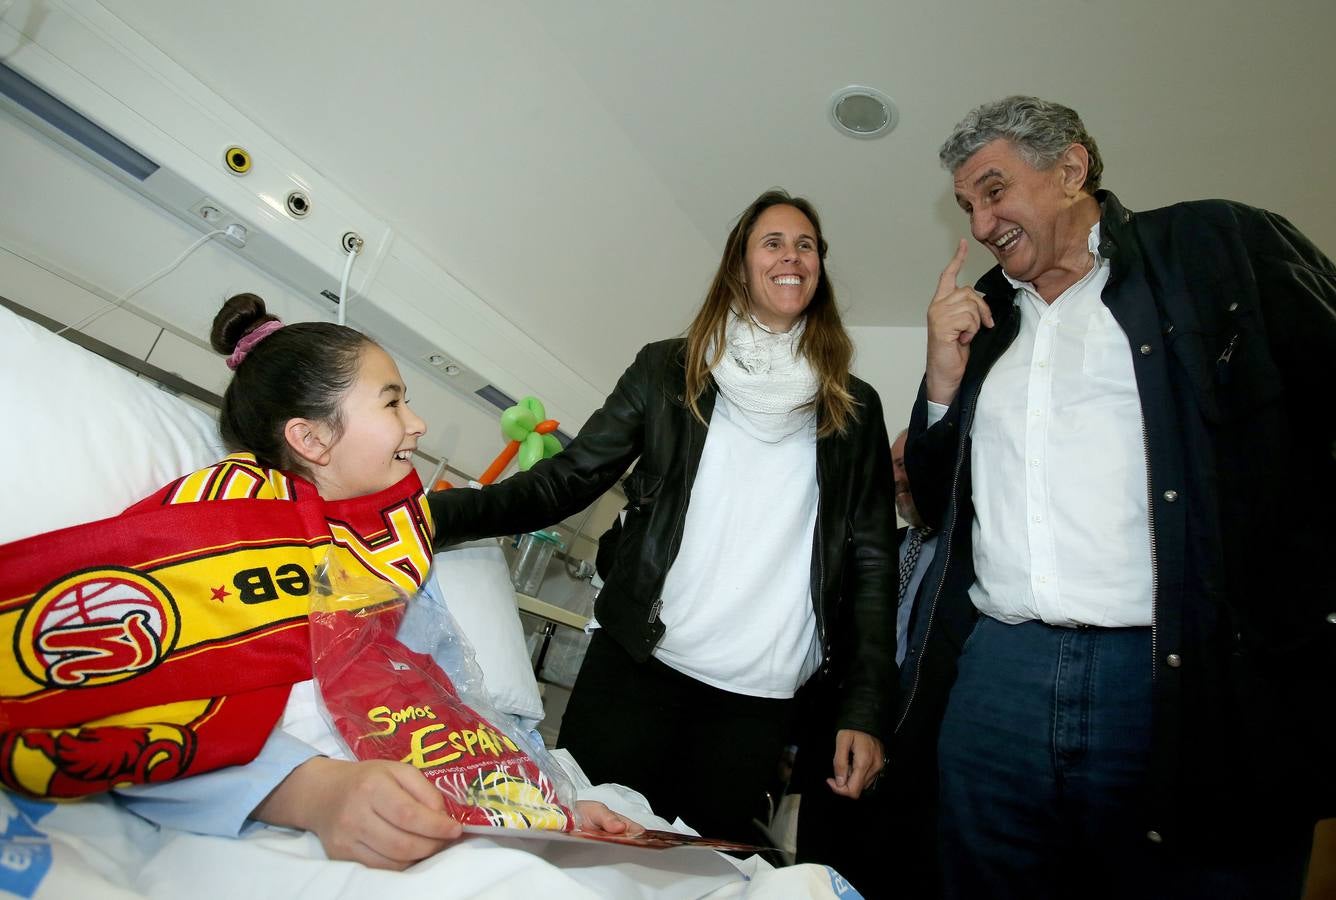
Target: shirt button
(1145, 349)
(1043, 364)
(1170, 496)
(1233, 306)
(1036, 518)
(1034, 412)
(1173, 660)
(1034, 463)
(1331, 617)
(1154, 837)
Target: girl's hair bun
(239, 315)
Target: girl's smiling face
(374, 447)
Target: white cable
(117, 302)
(343, 285)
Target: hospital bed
(81, 439)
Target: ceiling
(577, 164)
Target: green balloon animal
(529, 433)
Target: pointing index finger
(947, 283)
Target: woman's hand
(382, 814)
(590, 815)
(858, 760)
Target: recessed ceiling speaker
(863, 112)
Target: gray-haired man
(1125, 437)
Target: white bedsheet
(96, 849)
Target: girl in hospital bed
(157, 651)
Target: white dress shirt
(1058, 465)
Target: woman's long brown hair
(824, 342)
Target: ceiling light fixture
(862, 112)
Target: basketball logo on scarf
(163, 642)
(96, 627)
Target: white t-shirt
(737, 601)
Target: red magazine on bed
(649, 838)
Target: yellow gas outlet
(238, 159)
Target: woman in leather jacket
(756, 552)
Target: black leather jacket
(645, 419)
(1230, 314)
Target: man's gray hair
(1040, 130)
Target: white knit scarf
(765, 379)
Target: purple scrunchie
(252, 337)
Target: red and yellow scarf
(163, 642)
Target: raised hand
(954, 317)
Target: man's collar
(1092, 245)
(1114, 219)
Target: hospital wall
(891, 360)
(71, 239)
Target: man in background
(917, 543)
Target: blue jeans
(1044, 759)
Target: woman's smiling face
(783, 266)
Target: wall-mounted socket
(442, 363)
(237, 159)
(299, 204)
(212, 212)
(220, 219)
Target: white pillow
(82, 438)
(474, 583)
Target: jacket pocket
(641, 488)
(1231, 368)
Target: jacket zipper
(1154, 556)
(1222, 361)
(818, 599)
(949, 531)
(946, 562)
(657, 605)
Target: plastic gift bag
(386, 701)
